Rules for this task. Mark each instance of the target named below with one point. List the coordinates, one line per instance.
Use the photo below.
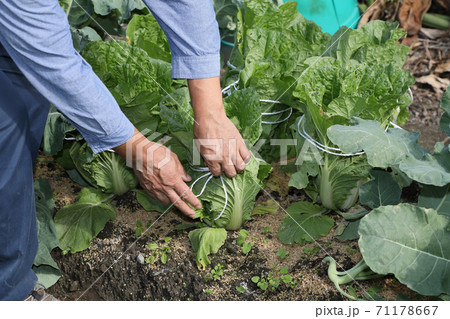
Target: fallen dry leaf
(374, 12)
(433, 33)
(442, 68)
(411, 13)
(438, 84)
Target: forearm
(206, 97)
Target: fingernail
(247, 160)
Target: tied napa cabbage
(241, 191)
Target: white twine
(325, 148)
(227, 91)
(210, 176)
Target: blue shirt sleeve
(36, 34)
(193, 34)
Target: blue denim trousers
(23, 113)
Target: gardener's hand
(159, 172)
(217, 139)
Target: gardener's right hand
(159, 172)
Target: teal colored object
(330, 14)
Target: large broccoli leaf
(435, 197)
(413, 243)
(394, 147)
(380, 191)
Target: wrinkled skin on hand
(160, 173)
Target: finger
(245, 153)
(185, 192)
(215, 168)
(239, 164)
(184, 175)
(180, 204)
(229, 158)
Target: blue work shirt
(36, 34)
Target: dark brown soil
(109, 269)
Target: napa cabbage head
(241, 192)
(106, 170)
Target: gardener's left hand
(217, 139)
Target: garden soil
(118, 264)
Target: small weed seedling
(282, 253)
(160, 252)
(216, 273)
(241, 289)
(274, 279)
(140, 228)
(267, 230)
(243, 241)
(311, 251)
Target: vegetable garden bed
(179, 278)
(274, 232)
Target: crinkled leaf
(206, 241)
(243, 109)
(128, 71)
(106, 170)
(382, 190)
(176, 110)
(272, 43)
(304, 223)
(373, 43)
(435, 197)
(411, 242)
(144, 32)
(78, 223)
